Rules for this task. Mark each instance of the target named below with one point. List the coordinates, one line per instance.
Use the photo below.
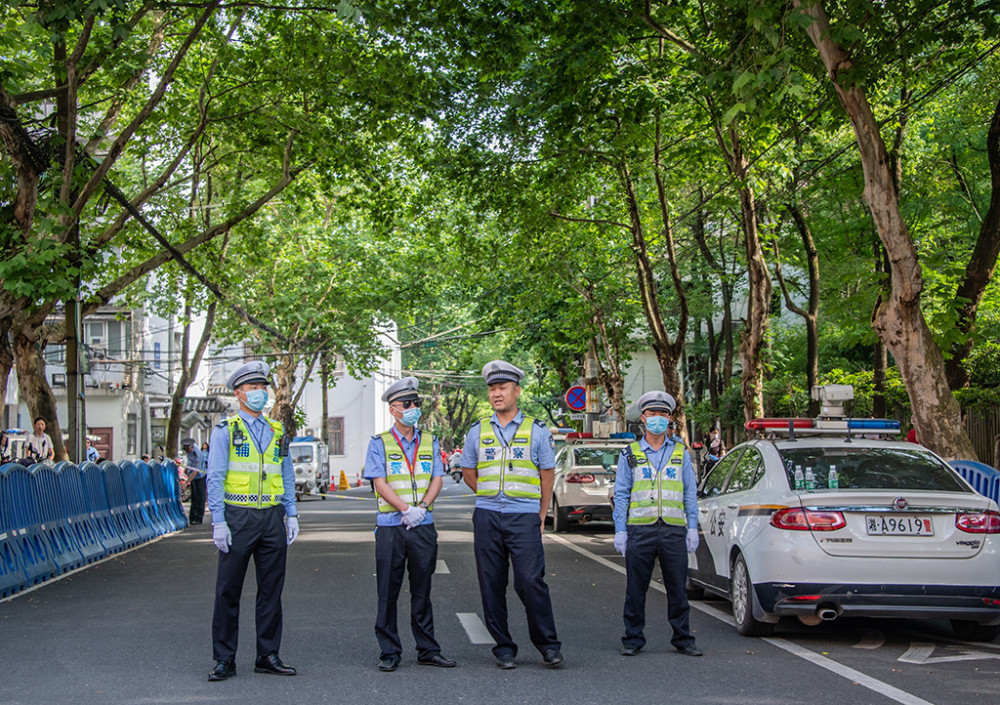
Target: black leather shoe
(506, 662)
(272, 664)
(388, 664)
(690, 650)
(222, 671)
(631, 650)
(552, 658)
(437, 660)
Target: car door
(737, 518)
(705, 563)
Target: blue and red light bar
(777, 423)
(783, 424)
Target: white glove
(413, 516)
(222, 536)
(292, 529)
(621, 538)
(692, 540)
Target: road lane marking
(475, 628)
(922, 653)
(441, 568)
(880, 687)
(870, 639)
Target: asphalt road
(136, 629)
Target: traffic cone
(359, 479)
(343, 481)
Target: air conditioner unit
(98, 352)
(105, 384)
(58, 379)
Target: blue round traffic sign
(576, 398)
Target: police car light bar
(829, 426)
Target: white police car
(822, 526)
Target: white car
(584, 478)
(818, 528)
(310, 459)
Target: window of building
(156, 354)
(131, 429)
(335, 426)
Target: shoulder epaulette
(539, 422)
(222, 424)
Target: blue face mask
(410, 416)
(256, 399)
(657, 425)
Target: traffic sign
(576, 398)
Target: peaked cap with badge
(499, 371)
(657, 401)
(403, 390)
(256, 371)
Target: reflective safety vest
(253, 479)
(410, 488)
(507, 468)
(657, 494)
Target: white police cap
(402, 390)
(657, 401)
(500, 371)
(251, 372)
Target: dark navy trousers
(258, 534)
(196, 514)
(646, 543)
(398, 550)
(501, 541)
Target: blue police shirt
(542, 455)
(375, 467)
(196, 463)
(657, 458)
(218, 465)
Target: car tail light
(581, 478)
(795, 519)
(987, 522)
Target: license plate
(886, 525)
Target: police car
(822, 519)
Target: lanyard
(664, 459)
(409, 463)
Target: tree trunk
(979, 270)
(899, 321)
(189, 371)
(6, 363)
(34, 387)
(284, 384)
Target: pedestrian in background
(509, 462)
(197, 466)
(404, 465)
(656, 516)
(38, 443)
(251, 491)
(92, 455)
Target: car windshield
(301, 454)
(597, 457)
(867, 468)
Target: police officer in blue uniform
(197, 465)
(251, 494)
(656, 516)
(509, 460)
(404, 464)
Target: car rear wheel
(560, 516)
(742, 595)
(973, 631)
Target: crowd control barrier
(57, 519)
(984, 479)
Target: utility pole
(591, 378)
(324, 376)
(75, 402)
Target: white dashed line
(441, 568)
(474, 627)
(881, 687)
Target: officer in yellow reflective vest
(656, 516)
(509, 462)
(404, 464)
(251, 491)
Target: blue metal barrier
(80, 520)
(52, 523)
(122, 515)
(23, 524)
(99, 508)
(140, 512)
(984, 479)
(12, 578)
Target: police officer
(655, 499)
(251, 491)
(405, 467)
(197, 464)
(508, 460)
